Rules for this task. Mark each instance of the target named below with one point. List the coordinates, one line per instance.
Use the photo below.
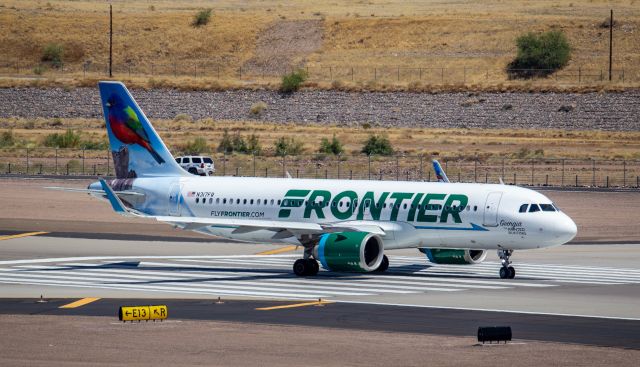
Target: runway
(579, 293)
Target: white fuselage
(411, 214)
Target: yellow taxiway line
(304, 304)
(21, 235)
(278, 250)
(80, 302)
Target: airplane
(346, 225)
(440, 175)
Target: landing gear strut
(506, 271)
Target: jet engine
(350, 251)
(454, 256)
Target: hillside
(369, 44)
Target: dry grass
(375, 37)
(450, 143)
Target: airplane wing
(94, 192)
(442, 177)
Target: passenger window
(523, 208)
(237, 201)
(279, 202)
(475, 208)
(547, 208)
(534, 208)
(244, 202)
(210, 200)
(197, 200)
(196, 160)
(186, 160)
(207, 160)
(405, 206)
(251, 202)
(178, 160)
(218, 201)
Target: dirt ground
(66, 340)
(27, 206)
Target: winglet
(115, 201)
(440, 175)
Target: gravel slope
(607, 111)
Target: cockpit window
(547, 208)
(555, 206)
(523, 208)
(534, 208)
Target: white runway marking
(271, 276)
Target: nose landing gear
(506, 271)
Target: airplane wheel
(313, 267)
(384, 265)
(300, 267)
(512, 272)
(504, 273)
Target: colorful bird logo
(126, 126)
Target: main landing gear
(306, 267)
(506, 271)
(384, 265)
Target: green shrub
(288, 146)
(377, 145)
(292, 82)
(53, 54)
(236, 143)
(68, 139)
(331, 147)
(94, 145)
(39, 70)
(7, 139)
(540, 54)
(197, 146)
(201, 18)
(253, 145)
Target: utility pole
(610, 42)
(110, 39)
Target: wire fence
(556, 172)
(326, 73)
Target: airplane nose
(566, 229)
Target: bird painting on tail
(126, 126)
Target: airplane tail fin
(136, 148)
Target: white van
(197, 164)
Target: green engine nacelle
(350, 251)
(453, 256)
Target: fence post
(486, 177)
(533, 162)
(175, 69)
(579, 75)
(284, 166)
(224, 162)
(27, 160)
(326, 173)
(475, 170)
(83, 161)
(297, 172)
(398, 73)
(593, 171)
(266, 172)
(421, 168)
(237, 171)
(375, 73)
(9, 168)
(397, 168)
(442, 75)
(562, 182)
(254, 164)
(380, 172)
(351, 174)
(420, 73)
(56, 171)
(576, 180)
(369, 156)
(330, 73)
(514, 179)
(351, 73)
(108, 163)
(624, 173)
(607, 181)
(338, 166)
(502, 169)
